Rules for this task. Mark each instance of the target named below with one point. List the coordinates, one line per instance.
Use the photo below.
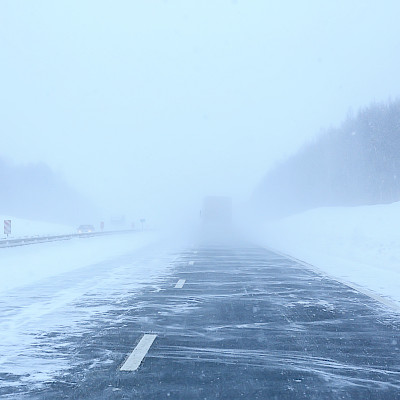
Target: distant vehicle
(86, 229)
(217, 211)
(216, 215)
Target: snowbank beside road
(21, 266)
(360, 245)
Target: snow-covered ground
(359, 245)
(25, 265)
(23, 227)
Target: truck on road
(217, 210)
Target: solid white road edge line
(191, 262)
(136, 357)
(180, 283)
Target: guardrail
(13, 242)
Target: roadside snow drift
(360, 245)
(24, 265)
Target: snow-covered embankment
(21, 266)
(359, 245)
(26, 228)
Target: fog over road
(226, 322)
(177, 120)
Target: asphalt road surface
(235, 322)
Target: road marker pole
(7, 227)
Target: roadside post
(7, 227)
(102, 226)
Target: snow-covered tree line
(355, 164)
(34, 191)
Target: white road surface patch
(191, 262)
(136, 357)
(180, 283)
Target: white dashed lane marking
(180, 283)
(136, 357)
(191, 262)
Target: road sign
(7, 226)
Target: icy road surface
(215, 322)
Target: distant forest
(355, 164)
(34, 191)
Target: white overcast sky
(144, 104)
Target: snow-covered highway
(243, 323)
